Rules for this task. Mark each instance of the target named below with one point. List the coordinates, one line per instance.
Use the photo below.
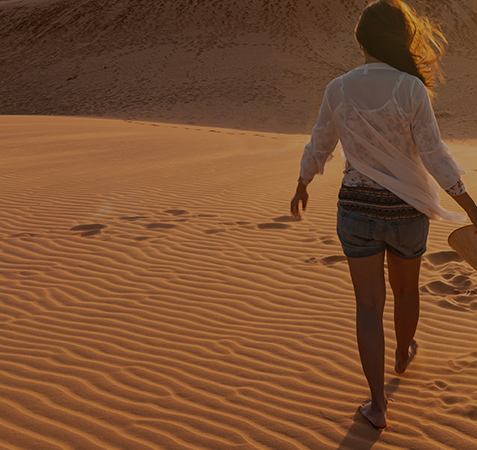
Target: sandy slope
(155, 294)
(250, 64)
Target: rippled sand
(156, 294)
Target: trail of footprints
(454, 287)
(174, 217)
(219, 131)
(443, 393)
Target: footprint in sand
(329, 240)
(457, 292)
(468, 361)
(273, 226)
(453, 399)
(456, 284)
(176, 212)
(472, 412)
(215, 231)
(167, 225)
(160, 226)
(462, 282)
(441, 258)
(89, 229)
(326, 261)
(440, 288)
(227, 226)
(437, 385)
(450, 303)
(284, 219)
(331, 260)
(132, 218)
(279, 223)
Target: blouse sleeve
(324, 138)
(457, 189)
(434, 153)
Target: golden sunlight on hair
(427, 46)
(391, 31)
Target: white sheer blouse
(389, 136)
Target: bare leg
(369, 286)
(404, 280)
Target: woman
(382, 114)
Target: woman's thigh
(403, 274)
(367, 274)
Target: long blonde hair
(392, 32)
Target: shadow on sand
(361, 435)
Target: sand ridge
(155, 294)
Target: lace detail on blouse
(389, 134)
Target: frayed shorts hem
(389, 249)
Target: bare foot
(376, 418)
(402, 363)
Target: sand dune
(249, 64)
(155, 294)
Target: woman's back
(385, 122)
(373, 85)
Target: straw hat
(464, 242)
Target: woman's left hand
(300, 196)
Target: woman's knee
(371, 300)
(406, 291)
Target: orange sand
(156, 295)
(155, 292)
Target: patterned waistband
(376, 203)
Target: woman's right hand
(468, 205)
(473, 217)
(300, 196)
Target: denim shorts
(363, 236)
